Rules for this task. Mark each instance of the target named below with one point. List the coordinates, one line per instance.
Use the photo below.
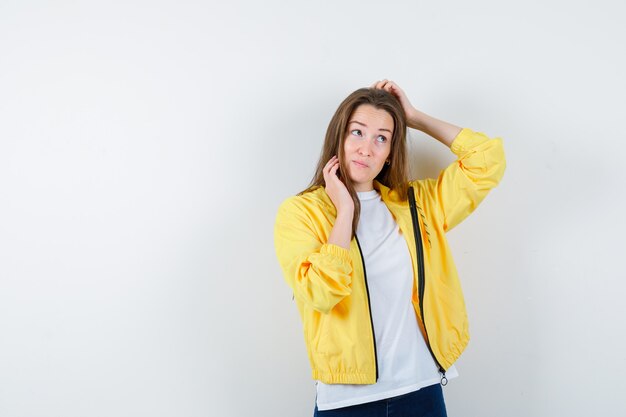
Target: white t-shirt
(404, 362)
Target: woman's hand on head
(393, 88)
(336, 189)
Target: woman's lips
(360, 164)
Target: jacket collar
(388, 196)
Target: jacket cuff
(336, 250)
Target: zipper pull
(444, 380)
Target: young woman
(365, 252)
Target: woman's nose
(365, 148)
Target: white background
(146, 145)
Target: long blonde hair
(393, 175)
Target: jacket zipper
(422, 279)
(369, 305)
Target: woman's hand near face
(336, 189)
(341, 234)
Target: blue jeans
(425, 402)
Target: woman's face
(367, 145)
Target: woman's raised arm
(444, 132)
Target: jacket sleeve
(319, 273)
(466, 182)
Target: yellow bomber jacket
(329, 282)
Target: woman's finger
(332, 170)
(385, 84)
(328, 169)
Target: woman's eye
(381, 138)
(356, 132)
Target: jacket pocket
(312, 329)
(330, 338)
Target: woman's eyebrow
(363, 124)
